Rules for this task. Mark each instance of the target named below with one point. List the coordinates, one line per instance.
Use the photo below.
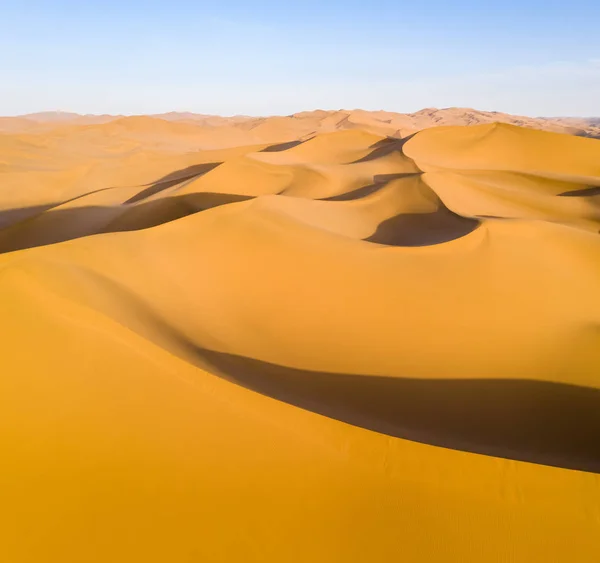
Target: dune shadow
(174, 178)
(379, 181)
(422, 229)
(542, 422)
(156, 212)
(536, 421)
(59, 225)
(280, 147)
(588, 135)
(19, 214)
(385, 147)
(590, 191)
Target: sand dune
(320, 121)
(333, 336)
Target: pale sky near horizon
(531, 57)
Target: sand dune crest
(332, 336)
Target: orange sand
(292, 340)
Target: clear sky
(264, 57)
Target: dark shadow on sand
(379, 181)
(280, 147)
(591, 191)
(536, 421)
(174, 178)
(384, 147)
(588, 135)
(19, 214)
(423, 229)
(60, 225)
(540, 422)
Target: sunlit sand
(328, 337)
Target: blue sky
(265, 57)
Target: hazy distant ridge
(380, 122)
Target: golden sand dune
(311, 344)
(319, 121)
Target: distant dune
(380, 122)
(336, 336)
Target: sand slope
(299, 344)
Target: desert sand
(327, 337)
(291, 126)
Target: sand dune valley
(334, 336)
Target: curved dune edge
(540, 422)
(535, 421)
(294, 351)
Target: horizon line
(258, 116)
